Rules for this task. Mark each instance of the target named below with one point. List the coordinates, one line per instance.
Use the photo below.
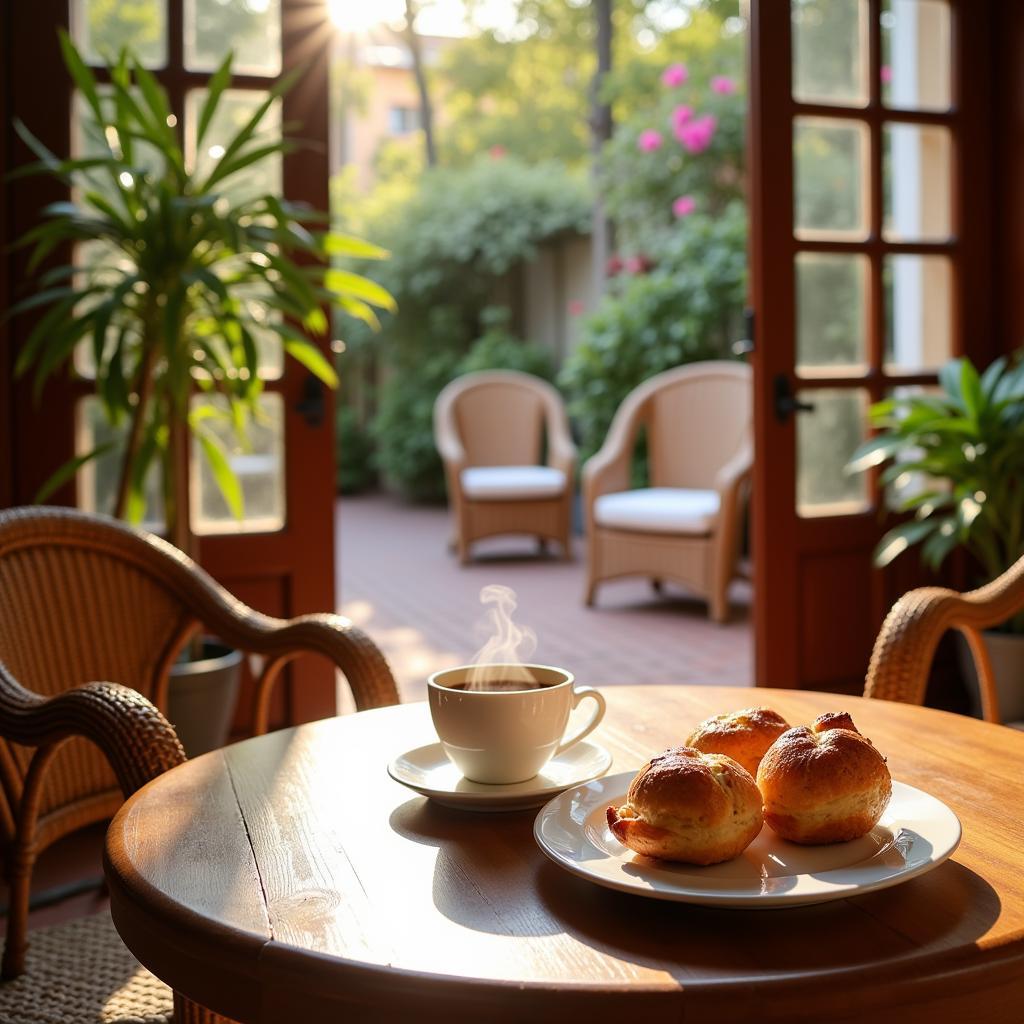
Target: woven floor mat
(81, 972)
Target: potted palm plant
(189, 270)
(955, 461)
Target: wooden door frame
(775, 538)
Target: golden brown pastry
(743, 735)
(688, 806)
(823, 784)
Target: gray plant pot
(201, 697)
(1006, 652)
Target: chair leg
(656, 585)
(463, 549)
(20, 881)
(23, 858)
(718, 605)
(542, 545)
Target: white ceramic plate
(915, 834)
(428, 771)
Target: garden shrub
(687, 308)
(355, 472)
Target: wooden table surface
(288, 878)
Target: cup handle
(581, 693)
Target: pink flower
(636, 264)
(885, 74)
(674, 74)
(649, 141)
(680, 116)
(697, 134)
(684, 206)
(614, 265)
(497, 152)
(723, 85)
(575, 308)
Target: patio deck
(398, 581)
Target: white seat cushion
(510, 483)
(658, 510)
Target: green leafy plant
(188, 271)
(959, 458)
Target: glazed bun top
(686, 787)
(827, 761)
(743, 735)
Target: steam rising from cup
(502, 657)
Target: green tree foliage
(527, 91)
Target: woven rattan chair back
(697, 418)
(500, 416)
(81, 601)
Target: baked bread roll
(743, 735)
(823, 784)
(688, 806)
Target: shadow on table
(935, 914)
(480, 874)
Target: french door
(280, 556)
(870, 268)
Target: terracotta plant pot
(1006, 651)
(201, 697)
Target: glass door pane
(249, 28)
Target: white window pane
(235, 109)
(258, 465)
(830, 52)
(916, 69)
(831, 301)
(249, 28)
(918, 191)
(825, 440)
(98, 479)
(102, 28)
(919, 312)
(830, 178)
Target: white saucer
(916, 833)
(428, 771)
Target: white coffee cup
(508, 735)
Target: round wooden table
(288, 878)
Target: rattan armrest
(903, 652)
(136, 739)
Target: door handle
(786, 403)
(311, 407)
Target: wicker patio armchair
(84, 598)
(686, 525)
(905, 646)
(490, 429)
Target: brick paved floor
(398, 581)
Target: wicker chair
(905, 646)
(490, 428)
(84, 598)
(686, 526)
